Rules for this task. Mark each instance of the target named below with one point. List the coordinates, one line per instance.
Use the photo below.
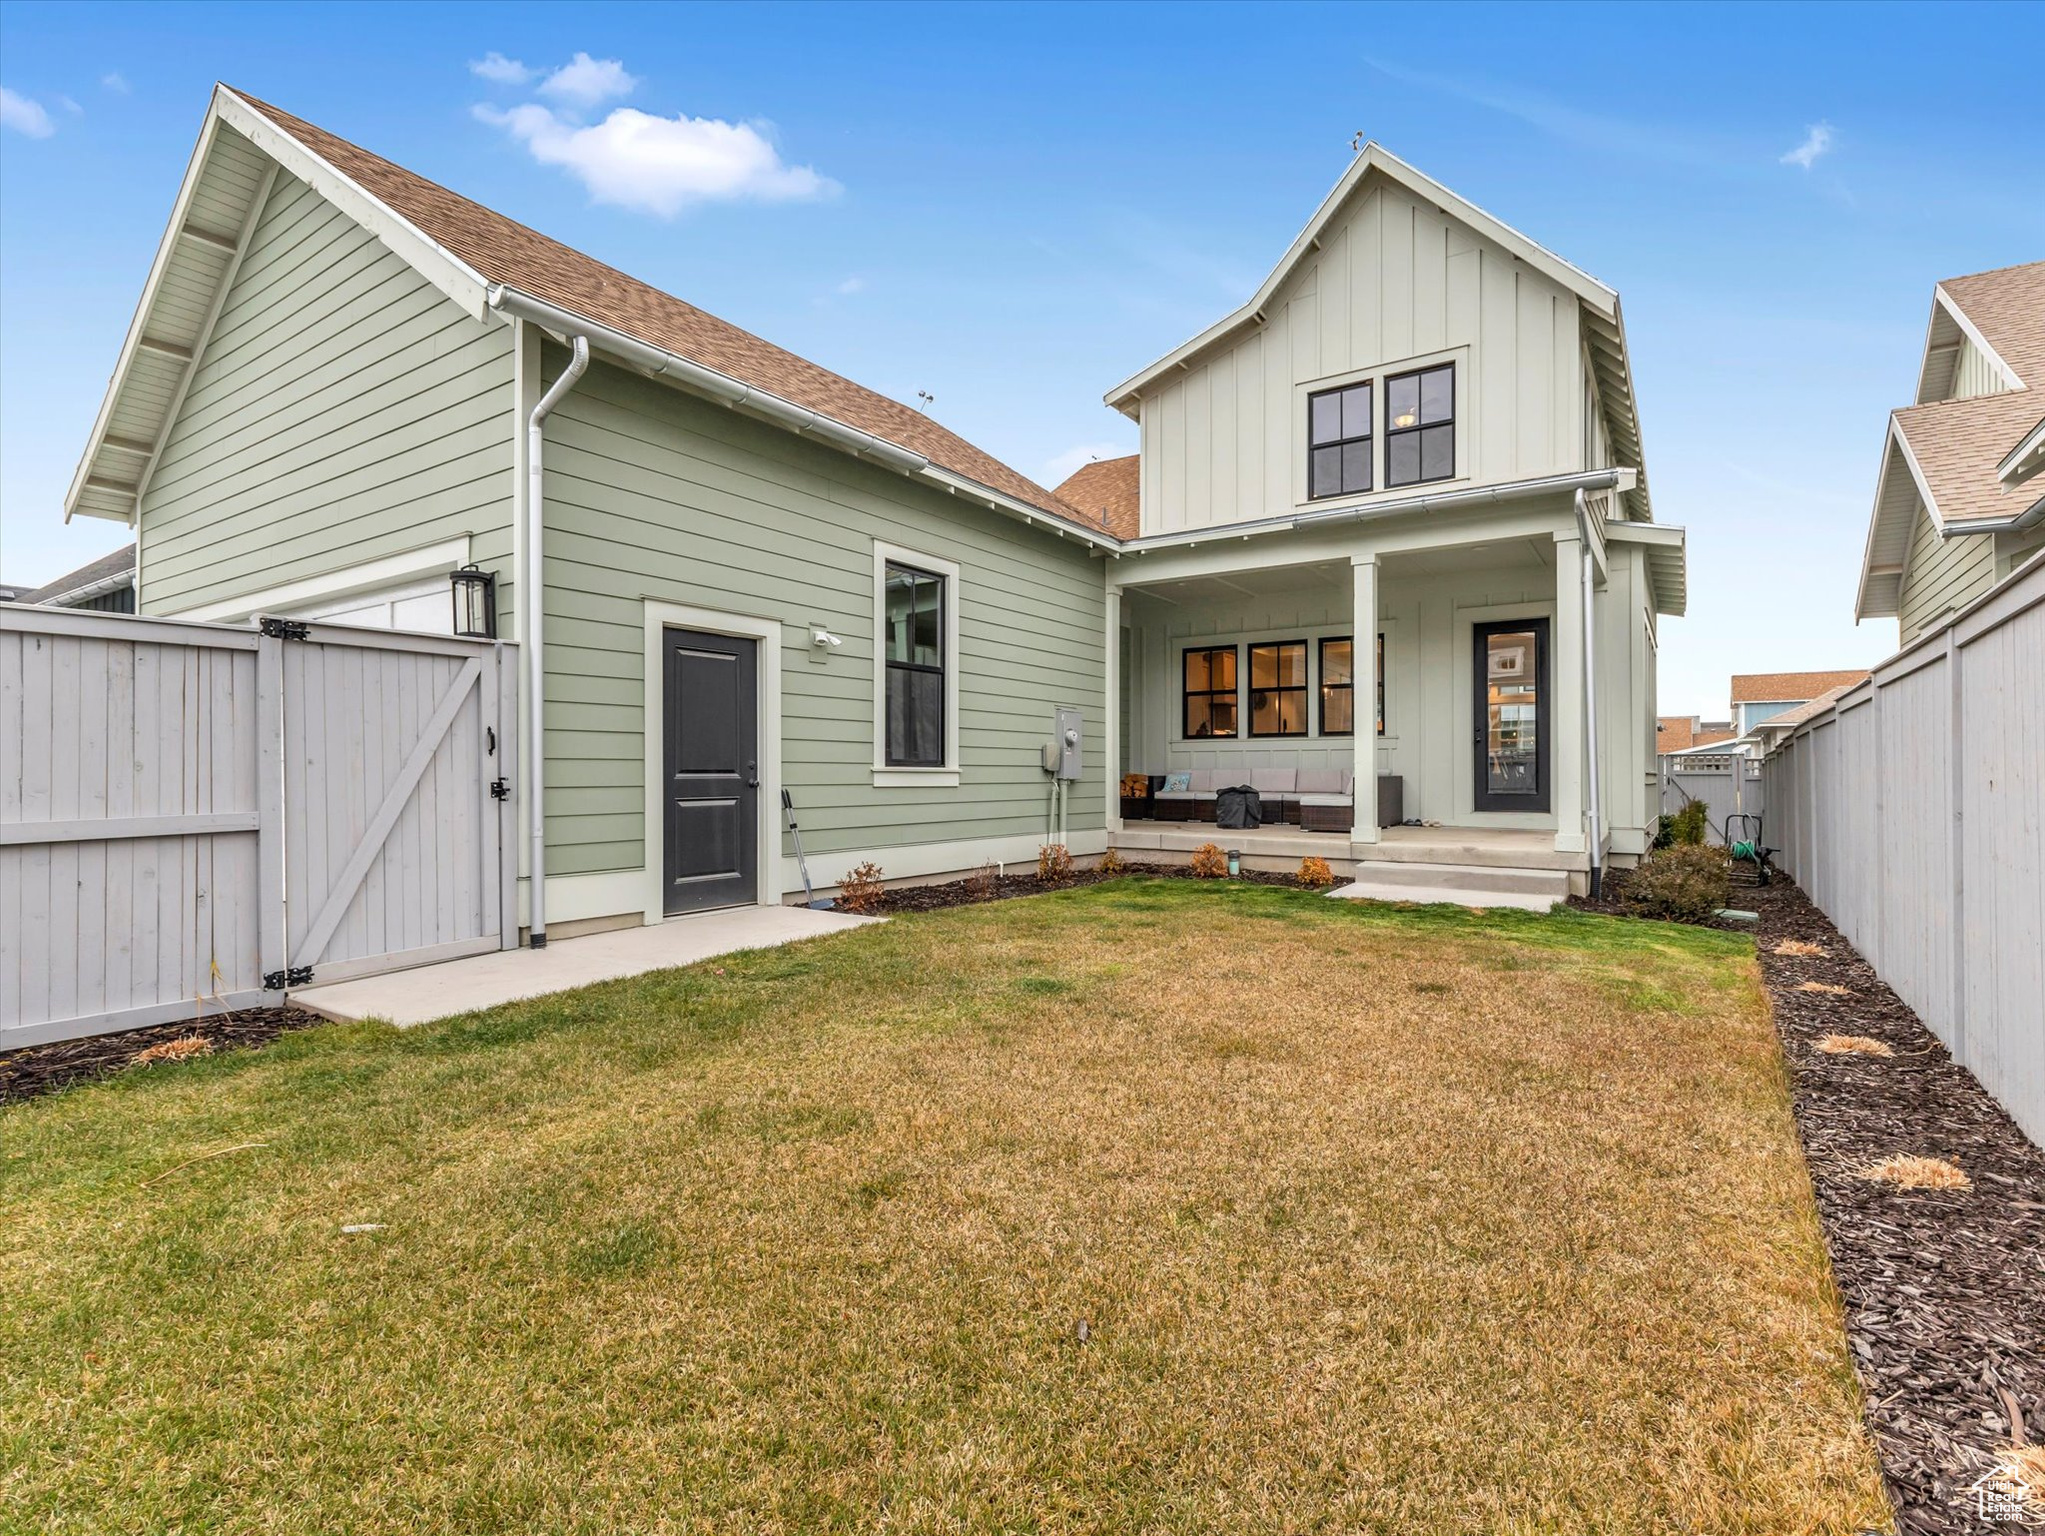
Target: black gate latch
(294, 976)
(500, 789)
(286, 629)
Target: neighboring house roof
(1963, 461)
(1790, 687)
(1110, 490)
(471, 250)
(1604, 326)
(1790, 719)
(105, 574)
(1672, 733)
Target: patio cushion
(1322, 781)
(1327, 799)
(1273, 781)
(1207, 780)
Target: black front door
(1511, 698)
(711, 840)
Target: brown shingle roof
(1958, 443)
(1672, 733)
(2007, 306)
(505, 251)
(1106, 491)
(1776, 687)
(120, 563)
(1791, 718)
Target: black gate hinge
(293, 976)
(286, 629)
(500, 789)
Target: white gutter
(532, 602)
(1590, 697)
(2016, 522)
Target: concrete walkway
(483, 981)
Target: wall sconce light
(823, 640)
(475, 603)
(1235, 862)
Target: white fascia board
(194, 168)
(1374, 157)
(2024, 460)
(433, 261)
(1893, 450)
(1973, 334)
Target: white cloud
(495, 66)
(116, 82)
(24, 116)
(1817, 140)
(852, 285)
(661, 165)
(1072, 460)
(71, 106)
(586, 82)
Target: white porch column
(1565, 680)
(1363, 675)
(1111, 751)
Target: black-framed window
(1339, 441)
(1338, 685)
(1209, 708)
(1420, 426)
(1278, 688)
(914, 646)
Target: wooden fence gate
(196, 817)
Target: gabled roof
(1780, 687)
(89, 580)
(467, 250)
(1109, 489)
(1604, 325)
(1790, 719)
(1963, 462)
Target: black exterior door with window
(710, 844)
(1512, 725)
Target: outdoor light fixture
(475, 603)
(1235, 862)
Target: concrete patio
(484, 981)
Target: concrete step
(1550, 883)
(1458, 895)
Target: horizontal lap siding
(343, 410)
(1941, 575)
(653, 494)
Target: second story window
(1339, 441)
(1420, 426)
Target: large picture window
(914, 647)
(1210, 693)
(1338, 686)
(1420, 426)
(1278, 689)
(1339, 441)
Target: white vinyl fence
(1913, 812)
(196, 817)
(1729, 784)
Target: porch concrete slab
(1430, 895)
(483, 981)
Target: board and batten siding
(1395, 281)
(653, 494)
(343, 410)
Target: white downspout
(532, 602)
(1590, 696)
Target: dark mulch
(961, 893)
(1944, 1289)
(39, 1069)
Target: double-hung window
(1338, 686)
(1210, 692)
(1339, 441)
(914, 646)
(1278, 689)
(1420, 426)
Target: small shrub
(1664, 831)
(1315, 875)
(1054, 864)
(861, 889)
(1907, 1172)
(1112, 863)
(1688, 826)
(1209, 862)
(983, 882)
(184, 1048)
(1687, 883)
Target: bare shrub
(983, 882)
(1209, 862)
(1916, 1173)
(1054, 864)
(861, 889)
(184, 1048)
(1314, 874)
(1686, 883)
(1112, 863)
(1853, 1045)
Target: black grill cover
(1238, 808)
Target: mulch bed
(39, 1069)
(963, 893)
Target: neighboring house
(106, 584)
(1679, 733)
(1759, 696)
(1957, 508)
(1775, 727)
(757, 575)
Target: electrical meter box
(1066, 738)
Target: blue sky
(1014, 208)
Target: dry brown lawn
(1151, 1207)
